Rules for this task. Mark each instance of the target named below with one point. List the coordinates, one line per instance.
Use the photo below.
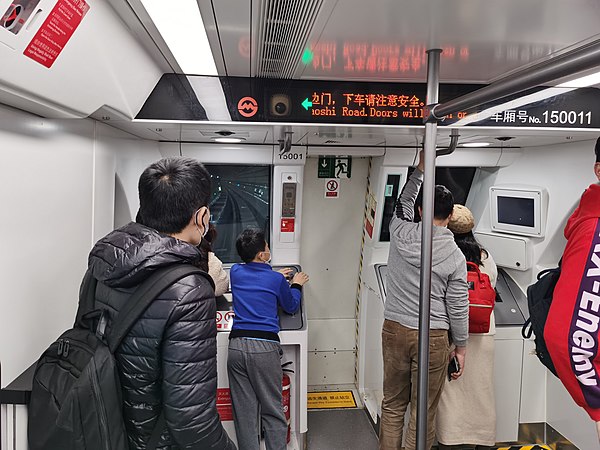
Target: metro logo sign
(247, 107)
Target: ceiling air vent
(284, 27)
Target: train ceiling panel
(378, 40)
(282, 31)
(481, 40)
(387, 39)
(347, 136)
(199, 133)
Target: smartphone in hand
(453, 367)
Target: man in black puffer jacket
(167, 362)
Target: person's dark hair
(205, 246)
(443, 202)
(597, 150)
(470, 247)
(171, 191)
(204, 249)
(211, 234)
(249, 243)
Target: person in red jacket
(573, 343)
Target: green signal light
(307, 56)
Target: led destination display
(180, 97)
(334, 102)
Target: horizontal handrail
(569, 63)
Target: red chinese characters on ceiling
(377, 58)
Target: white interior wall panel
(46, 193)
(566, 171)
(134, 156)
(570, 169)
(58, 196)
(330, 254)
(330, 368)
(570, 420)
(334, 335)
(118, 72)
(106, 140)
(509, 356)
(533, 392)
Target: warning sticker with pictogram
(17, 14)
(224, 320)
(332, 188)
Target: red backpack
(482, 298)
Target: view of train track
(240, 199)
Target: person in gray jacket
(449, 311)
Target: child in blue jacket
(254, 358)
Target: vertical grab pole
(433, 69)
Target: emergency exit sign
(335, 167)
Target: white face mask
(268, 260)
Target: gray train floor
(347, 429)
(344, 429)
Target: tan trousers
(400, 356)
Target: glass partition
(241, 198)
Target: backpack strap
(526, 329)
(145, 294)
(87, 299)
(472, 267)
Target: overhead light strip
(180, 24)
(588, 80)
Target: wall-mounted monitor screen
(241, 198)
(518, 210)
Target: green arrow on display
(307, 104)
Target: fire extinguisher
(286, 396)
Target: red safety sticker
(224, 404)
(55, 32)
(288, 225)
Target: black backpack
(76, 394)
(539, 299)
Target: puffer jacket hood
(128, 255)
(409, 241)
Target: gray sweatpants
(254, 369)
